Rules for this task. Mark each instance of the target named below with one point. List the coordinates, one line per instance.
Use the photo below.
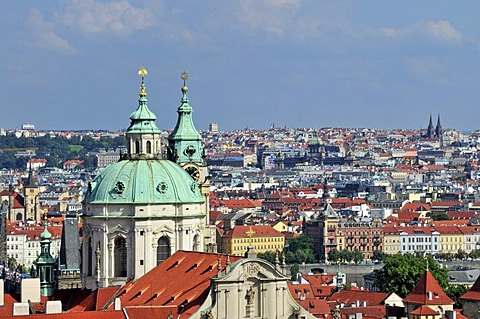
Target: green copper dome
(45, 234)
(143, 182)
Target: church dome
(144, 181)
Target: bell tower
(186, 148)
(143, 135)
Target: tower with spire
(143, 134)
(435, 132)
(46, 263)
(439, 131)
(186, 147)
(31, 194)
(430, 129)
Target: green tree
(269, 256)
(378, 255)
(299, 250)
(357, 256)
(439, 216)
(294, 270)
(455, 292)
(401, 273)
(461, 254)
(475, 254)
(333, 255)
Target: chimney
(118, 304)
(21, 309)
(30, 290)
(53, 306)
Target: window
(120, 255)
(89, 258)
(149, 147)
(163, 249)
(137, 147)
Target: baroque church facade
(148, 205)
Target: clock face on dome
(193, 171)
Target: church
(151, 203)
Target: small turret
(45, 262)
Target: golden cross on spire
(184, 77)
(143, 73)
(250, 233)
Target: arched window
(163, 249)
(137, 147)
(149, 147)
(196, 243)
(19, 216)
(120, 253)
(89, 257)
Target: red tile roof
(428, 292)
(352, 296)
(181, 281)
(77, 315)
(317, 307)
(474, 292)
(424, 311)
(18, 201)
(370, 312)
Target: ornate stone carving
(251, 270)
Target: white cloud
(440, 30)
(294, 19)
(43, 34)
(118, 17)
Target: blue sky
(300, 63)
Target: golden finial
(143, 73)
(184, 77)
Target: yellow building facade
(262, 238)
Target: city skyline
(73, 64)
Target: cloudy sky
(72, 64)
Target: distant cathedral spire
(430, 129)
(439, 131)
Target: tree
(333, 255)
(401, 273)
(378, 255)
(357, 256)
(299, 250)
(269, 256)
(475, 254)
(294, 270)
(455, 292)
(439, 216)
(461, 254)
